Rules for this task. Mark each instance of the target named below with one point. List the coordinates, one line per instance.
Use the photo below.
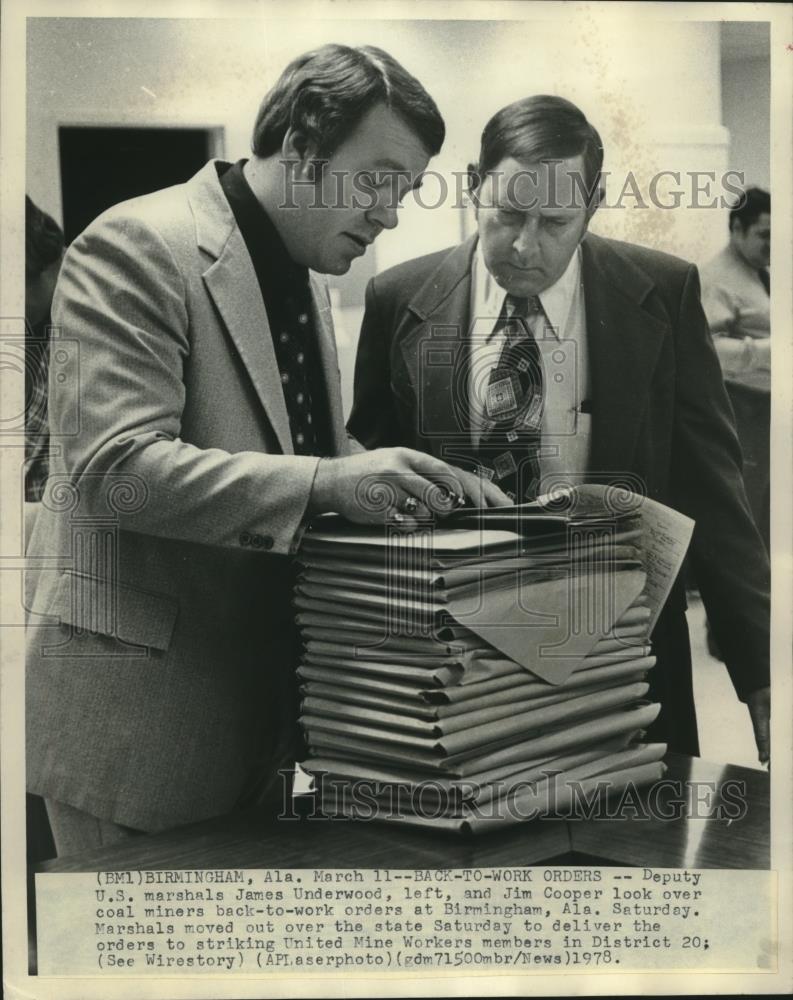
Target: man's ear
(597, 197)
(474, 184)
(298, 149)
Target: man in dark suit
(207, 429)
(541, 354)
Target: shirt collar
(258, 229)
(556, 300)
(488, 294)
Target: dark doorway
(103, 166)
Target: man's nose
(525, 242)
(383, 214)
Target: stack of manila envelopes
(488, 669)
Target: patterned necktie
(510, 442)
(293, 351)
(765, 277)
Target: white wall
(746, 111)
(651, 88)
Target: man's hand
(480, 491)
(759, 703)
(396, 484)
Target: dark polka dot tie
(291, 350)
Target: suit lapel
(624, 343)
(232, 283)
(435, 351)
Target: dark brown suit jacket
(661, 423)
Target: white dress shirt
(561, 338)
(738, 309)
(733, 296)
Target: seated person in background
(43, 255)
(735, 288)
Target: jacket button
(245, 538)
(268, 542)
(257, 541)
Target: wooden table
(694, 838)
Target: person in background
(736, 288)
(43, 256)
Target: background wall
(746, 98)
(654, 91)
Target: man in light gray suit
(207, 427)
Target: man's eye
(382, 180)
(375, 178)
(509, 213)
(556, 222)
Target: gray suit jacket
(160, 648)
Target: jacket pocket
(114, 609)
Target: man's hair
(750, 206)
(541, 128)
(325, 93)
(43, 240)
